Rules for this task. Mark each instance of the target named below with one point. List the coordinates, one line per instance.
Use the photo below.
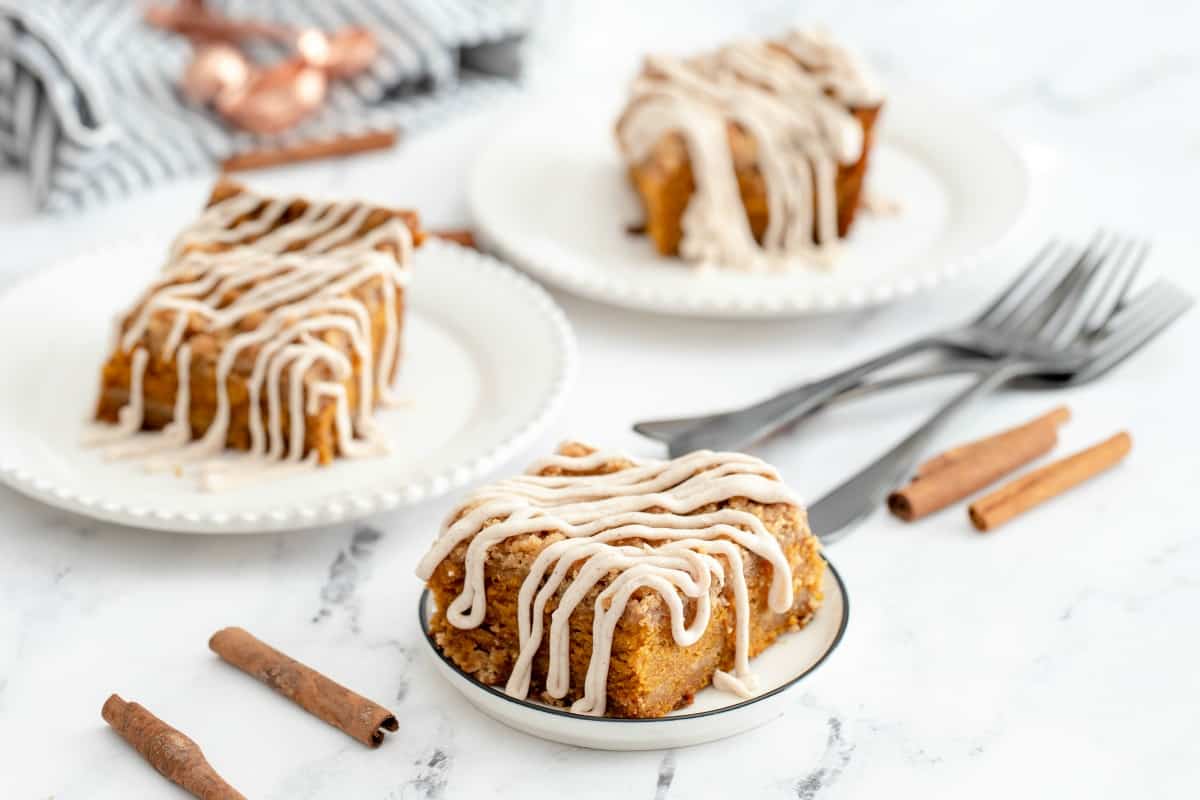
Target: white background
(1055, 657)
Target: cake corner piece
(309, 293)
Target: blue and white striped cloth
(90, 105)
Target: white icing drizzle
(800, 122)
(607, 528)
(294, 285)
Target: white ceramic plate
(470, 321)
(781, 668)
(551, 195)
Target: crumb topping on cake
(637, 528)
(787, 105)
(279, 297)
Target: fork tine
(1107, 290)
(1043, 284)
(1089, 302)
(1009, 291)
(1137, 313)
(1135, 306)
(1138, 310)
(1136, 270)
(1047, 298)
(1062, 323)
(1174, 303)
(1140, 251)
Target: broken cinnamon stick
(965, 469)
(345, 710)
(1040, 485)
(463, 236)
(176, 757)
(274, 156)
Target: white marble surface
(1054, 658)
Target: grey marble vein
(666, 775)
(833, 762)
(339, 593)
(403, 672)
(403, 681)
(433, 774)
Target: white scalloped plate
(550, 194)
(781, 670)
(488, 357)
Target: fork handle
(854, 500)
(733, 429)
(664, 430)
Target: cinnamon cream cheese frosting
(794, 98)
(625, 531)
(298, 283)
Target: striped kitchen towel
(90, 109)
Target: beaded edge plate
(467, 410)
(550, 194)
(781, 670)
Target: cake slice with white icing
(274, 328)
(752, 156)
(618, 587)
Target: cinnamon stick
(274, 156)
(176, 757)
(965, 469)
(462, 236)
(1040, 485)
(1053, 418)
(347, 711)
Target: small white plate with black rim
(781, 669)
(551, 194)
(487, 360)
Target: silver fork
(1094, 370)
(1042, 284)
(1089, 334)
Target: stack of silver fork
(1069, 318)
